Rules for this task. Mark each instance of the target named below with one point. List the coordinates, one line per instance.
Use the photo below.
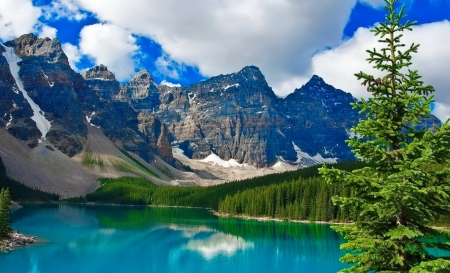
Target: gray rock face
(15, 112)
(232, 116)
(238, 116)
(320, 117)
(141, 92)
(103, 82)
(53, 85)
(157, 135)
(67, 98)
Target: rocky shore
(15, 240)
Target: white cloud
(374, 3)
(167, 67)
(337, 66)
(219, 37)
(73, 54)
(17, 17)
(46, 31)
(164, 82)
(63, 9)
(112, 46)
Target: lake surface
(110, 239)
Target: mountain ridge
(235, 116)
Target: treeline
(5, 214)
(20, 192)
(301, 199)
(297, 195)
(139, 191)
(123, 190)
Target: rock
(102, 81)
(142, 92)
(15, 240)
(157, 136)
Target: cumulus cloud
(164, 82)
(111, 45)
(166, 67)
(338, 65)
(374, 3)
(46, 31)
(219, 37)
(17, 17)
(63, 9)
(73, 54)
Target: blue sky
(183, 42)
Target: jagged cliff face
(47, 82)
(141, 92)
(57, 104)
(238, 116)
(232, 116)
(235, 116)
(320, 117)
(103, 82)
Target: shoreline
(266, 219)
(16, 240)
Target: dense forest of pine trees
(301, 199)
(297, 195)
(5, 218)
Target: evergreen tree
(396, 196)
(5, 201)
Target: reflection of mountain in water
(144, 239)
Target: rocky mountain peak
(99, 72)
(142, 91)
(29, 45)
(251, 73)
(142, 77)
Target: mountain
(239, 117)
(59, 125)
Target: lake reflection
(141, 239)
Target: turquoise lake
(110, 239)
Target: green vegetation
(20, 192)
(89, 161)
(164, 170)
(123, 190)
(301, 199)
(5, 214)
(398, 196)
(139, 166)
(129, 190)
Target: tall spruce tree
(405, 186)
(5, 201)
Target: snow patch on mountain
(229, 86)
(191, 99)
(38, 115)
(178, 151)
(89, 118)
(9, 122)
(46, 77)
(305, 160)
(216, 160)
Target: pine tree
(5, 201)
(397, 196)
